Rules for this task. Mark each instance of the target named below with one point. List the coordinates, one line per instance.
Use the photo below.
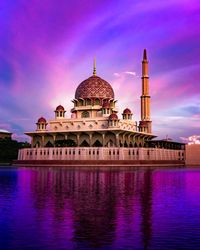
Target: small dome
(60, 108)
(127, 111)
(42, 120)
(94, 87)
(113, 116)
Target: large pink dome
(94, 87)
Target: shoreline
(98, 163)
(5, 164)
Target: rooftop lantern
(41, 124)
(106, 108)
(127, 114)
(113, 120)
(60, 112)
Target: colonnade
(92, 139)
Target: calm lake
(99, 208)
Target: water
(110, 208)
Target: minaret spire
(145, 55)
(145, 65)
(94, 67)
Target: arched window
(80, 102)
(85, 114)
(97, 102)
(88, 101)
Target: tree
(9, 149)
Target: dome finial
(94, 67)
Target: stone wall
(193, 155)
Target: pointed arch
(84, 144)
(96, 136)
(125, 144)
(110, 139)
(97, 143)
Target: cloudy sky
(47, 48)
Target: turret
(113, 120)
(60, 112)
(127, 114)
(106, 108)
(41, 124)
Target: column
(103, 139)
(117, 139)
(90, 139)
(54, 139)
(78, 140)
(42, 140)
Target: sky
(47, 49)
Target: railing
(100, 153)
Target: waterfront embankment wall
(100, 155)
(192, 157)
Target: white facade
(91, 124)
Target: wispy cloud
(130, 73)
(116, 74)
(45, 52)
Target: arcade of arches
(91, 139)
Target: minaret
(145, 123)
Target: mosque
(95, 121)
(95, 130)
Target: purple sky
(47, 49)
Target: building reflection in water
(107, 208)
(93, 207)
(146, 208)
